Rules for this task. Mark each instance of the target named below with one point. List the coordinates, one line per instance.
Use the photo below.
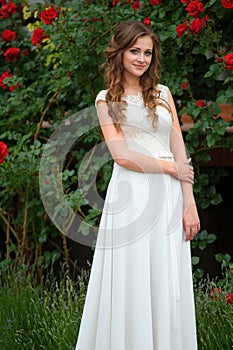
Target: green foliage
(60, 76)
(47, 316)
(214, 318)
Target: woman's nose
(141, 57)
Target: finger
(189, 180)
(188, 234)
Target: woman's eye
(133, 51)
(148, 53)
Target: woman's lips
(138, 66)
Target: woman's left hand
(191, 222)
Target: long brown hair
(125, 36)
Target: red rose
(227, 4)
(94, 19)
(147, 21)
(3, 151)
(215, 294)
(185, 1)
(48, 15)
(136, 5)
(229, 61)
(8, 35)
(184, 85)
(12, 54)
(25, 52)
(200, 103)
(38, 36)
(219, 59)
(12, 87)
(3, 76)
(229, 298)
(8, 9)
(2, 2)
(180, 29)
(155, 2)
(196, 25)
(195, 8)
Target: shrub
(51, 54)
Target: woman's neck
(132, 86)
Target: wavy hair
(125, 36)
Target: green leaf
(202, 245)
(195, 260)
(210, 140)
(216, 199)
(210, 3)
(209, 74)
(203, 235)
(84, 228)
(211, 238)
(219, 257)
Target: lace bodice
(139, 133)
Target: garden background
(50, 54)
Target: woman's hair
(126, 34)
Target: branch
(45, 111)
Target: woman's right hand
(184, 171)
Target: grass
(34, 317)
(214, 314)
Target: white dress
(140, 292)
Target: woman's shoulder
(163, 91)
(101, 96)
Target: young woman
(140, 293)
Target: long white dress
(140, 292)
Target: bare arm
(130, 159)
(190, 217)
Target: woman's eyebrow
(138, 48)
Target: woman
(140, 294)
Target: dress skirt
(140, 292)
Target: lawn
(47, 315)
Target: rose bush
(8, 9)
(48, 15)
(50, 70)
(3, 151)
(8, 35)
(38, 36)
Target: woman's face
(137, 59)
